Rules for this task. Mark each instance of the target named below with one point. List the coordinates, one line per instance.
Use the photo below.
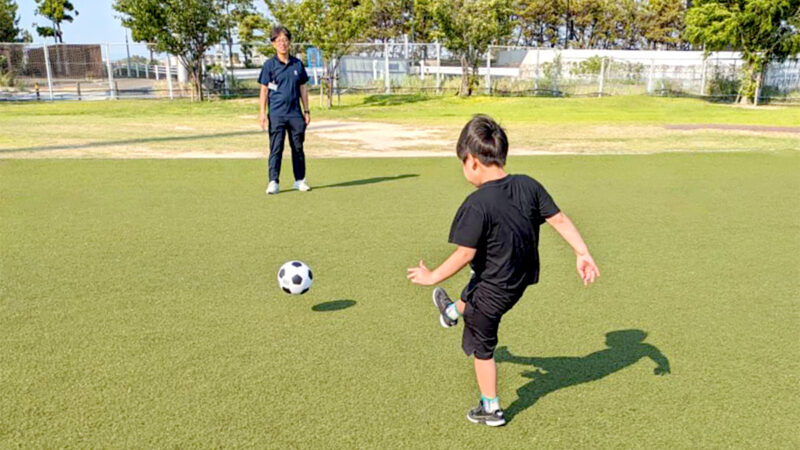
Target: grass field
(139, 306)
(589, 125)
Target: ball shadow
(334, 305)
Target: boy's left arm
(587, 269)
(426, 277)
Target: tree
(762, 30)
(184, 28)
(9, 21)
(537, 22)
(390, 19)
(468, 27)
(232, 13)
(253, 30)
(333, 26)
(57, 11)
(664, 22)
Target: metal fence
(120, 70)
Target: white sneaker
(272, 188)
(302, 186)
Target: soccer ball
(295, 277)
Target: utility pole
(128, 51)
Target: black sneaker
(493, 419)
(442, 301)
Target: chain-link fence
(120, 70)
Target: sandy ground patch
(338, 138)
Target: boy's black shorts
(480, 333)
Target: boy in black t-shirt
(497, 233)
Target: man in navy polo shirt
(283, 85)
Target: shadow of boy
(625, 347)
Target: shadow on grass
(397, 99)
(334, 305)
(367, 181)
(549, 374)
(193, 137)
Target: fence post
(386, 81)
(438, 68)
(169, 76)
(155, 69)
(602, 77)
(147, 70)
(703, 77)
(79, 90)
(650, 76)
(556, 72)
(489, 71)
(536, 73)
(47, 70)
(110, 70)
(374, 69)
(758, 85)
(422, 69)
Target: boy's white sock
(490, 405)
(452, 311)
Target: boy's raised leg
(448, 312)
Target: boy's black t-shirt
(501, 221)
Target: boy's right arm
(587, 269)
(263, 96)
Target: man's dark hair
(278, 30)
(484, 139)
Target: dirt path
(241, 139)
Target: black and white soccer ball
(295, 277)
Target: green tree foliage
(232, 13)
(9, 21)
(333, 26)
(468, 27)
(392, 19)
(762, 30)
(56, 11)
(630, 24)
(537, 22)
(184, 28)
(253, 34)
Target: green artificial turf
(139, 306)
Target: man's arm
(426, 277)
(304, 99)
(263, 97)
(587, 269)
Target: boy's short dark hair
(278, 30)
(484, 139)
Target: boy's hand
(421, 275)
(587, 269)
(262, 120)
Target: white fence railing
(100, 71)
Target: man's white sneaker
(272, 188)
(302, 186)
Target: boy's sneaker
(272, 188)
(479, 415)
(442, 301)
(302, 186)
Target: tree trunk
(466, 85)
(749, 87)
(333, 66)
(196, 71)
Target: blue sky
(97, 22)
